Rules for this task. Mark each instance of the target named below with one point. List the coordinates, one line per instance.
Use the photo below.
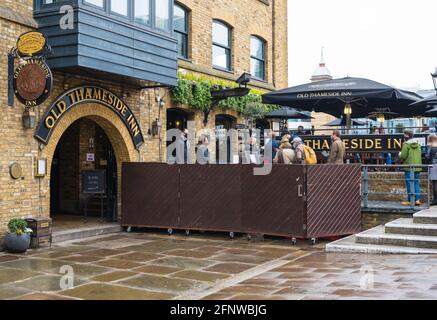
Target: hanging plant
(183, 92)
(201, 96)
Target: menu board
(94, 181)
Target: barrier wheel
(293, 241)
(129, 229)
(231, 235)
(313, 241)
(170, 231)
(249, 237)
(187, 232)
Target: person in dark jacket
(202, 150)
(182, 148)
(431, 157)
(272, 145)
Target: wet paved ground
(211, 266)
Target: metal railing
(424, 175)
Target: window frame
(151, 14)
(184, 33)
(227, 49)
(105, 4)
(263, 60)
(170, 16)
(128, 12)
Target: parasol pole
(348, 114)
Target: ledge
(19, 18)
(232, 76)
(266, 2)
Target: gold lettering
(62, 106)
(354, 144)
(119, 105)
(97, 95)
(55, 115)
(388, 143)
(105, 95)
(397, 143)
(79, 95)
(133, 125)
(123, 111)
(346, 143)
(369, 144)
(325, 144)
(72, 98)
(110, 99)
(378, 144)
(88, 93)
(50, 122)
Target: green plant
(195, 91)
(18, 226)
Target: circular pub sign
(33, 82)
(31, 43)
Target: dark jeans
(408, 178)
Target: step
(82, 233)
(407, 226)
(348, 245)
(428, 216)
(379, 237)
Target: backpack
(310, 155)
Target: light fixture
(380, 118)
(348, 109)
(434, 79)
(29, 118)
(156, 127)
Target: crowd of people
(292, 149)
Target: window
(221, 45)
(142, 11)
(162, 12)
(44, 2)
(120, 7)
(180, 23)
(257, 58)
(97, 3)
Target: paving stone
(218, 296)
(163, 283)
(81, 258)
(242, 251)
(293, 291)
(162, 270)
(118, 264)
(183, 263)
(113, 276)
(7, 258)
(87, 271)
(102, 252)
(96, 291)
(212, 249)
(200, 275)
(42, 296)
(11, 291)
(53, 254)
(254, 297)
(230, 268)
(137, 256)
(241, 258)
(38, 265)
(189, 253)
(246, 289)
(46, 283)
(263, 282)
(12, 275)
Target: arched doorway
(177, 119)
(223, 123)
(83, 147)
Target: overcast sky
(390, 41)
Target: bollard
(366, 187)
(412, 191)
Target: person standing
(202, 150)
(337, 150)
(299, 149)
(431, 157)
(182, 148)
(286, 153)
(272, 145)
(411, 154)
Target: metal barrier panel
(210, 197)
(333, 200)
(274, 204)
(150, 195)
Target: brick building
(113, 59)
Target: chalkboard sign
(94, 181)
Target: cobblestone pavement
(211, 266)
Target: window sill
(223, 70)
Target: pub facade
(105, 97)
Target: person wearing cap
(411, 154)
(285, 153)
(299, 149)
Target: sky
(390, 41)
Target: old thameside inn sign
(88, 94)
(32, 79)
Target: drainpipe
(273, 43)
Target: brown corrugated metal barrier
(293, 200)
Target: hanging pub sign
(31, 44)
(32, 82)
(88, 94)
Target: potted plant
(18, 238)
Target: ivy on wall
(195, 91)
